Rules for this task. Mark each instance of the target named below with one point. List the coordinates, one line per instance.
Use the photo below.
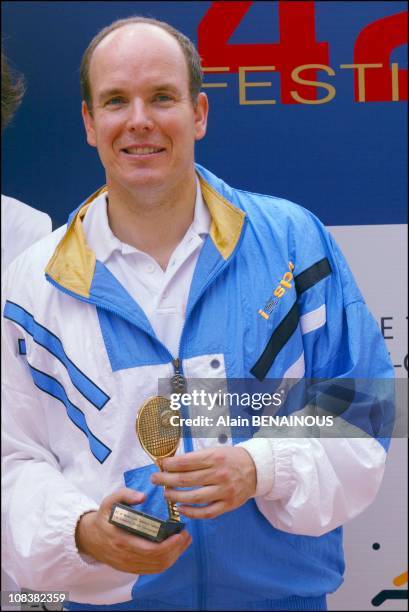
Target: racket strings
(155, 430)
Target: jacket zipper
(178, 382)
(188, 444)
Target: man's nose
(139, 116)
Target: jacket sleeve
(41, 507)
(311, 485)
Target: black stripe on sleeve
(312, 275)
(279, 338)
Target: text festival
(298, 56)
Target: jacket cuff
(75, 558)
(262, 454)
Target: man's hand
(226, 476)
(123, 551)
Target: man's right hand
(96, 537)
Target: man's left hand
(226, 478)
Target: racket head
(158, 436)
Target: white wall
(377, 255)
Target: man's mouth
(142, 150)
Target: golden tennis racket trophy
(159, 435)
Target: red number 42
(298, 46)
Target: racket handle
(172, 510)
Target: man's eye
(163, 97)
(114, 101)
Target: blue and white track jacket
(81, 357)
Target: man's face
(143, 121)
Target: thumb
(124, 496)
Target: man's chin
(144, 180)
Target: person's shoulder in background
(22, 226)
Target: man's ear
(201, 112)
(89, 124)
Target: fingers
(192, 469)
(204, 495)
(208, 512)
(122, 496)
(135, 554)
(182, 545)
(198, 460)
(112, 545)
(183, 479)
(176, 543)
(157, 559)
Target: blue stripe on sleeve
(53, 344)
(50, 385)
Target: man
(21, 225)
(168, 272)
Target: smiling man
(144, 117)
(166, 272)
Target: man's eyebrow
(107, 93)
(170, 86)
(117, 91)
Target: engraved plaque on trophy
(159, 435)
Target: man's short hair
(188, 48)
(12, 92)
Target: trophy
(159, 438)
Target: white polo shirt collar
(162, 294)
(104, 243)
